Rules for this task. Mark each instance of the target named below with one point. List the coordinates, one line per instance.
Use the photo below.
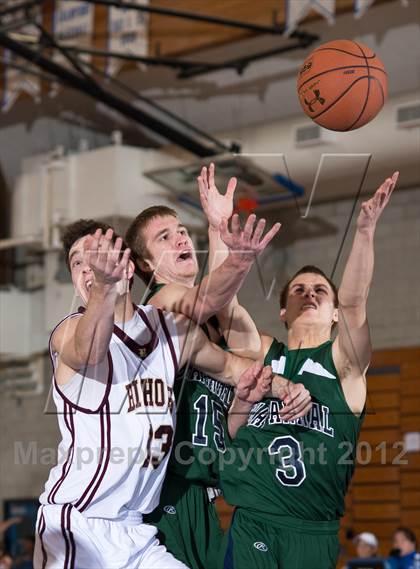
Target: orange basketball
(342, 85)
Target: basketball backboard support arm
(253, 181)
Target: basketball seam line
(338, 69)
(367, 90)
(347, 52)
(368, 77)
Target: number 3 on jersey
(291, 471)
(200, 438)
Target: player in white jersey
(114, 366)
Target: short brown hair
(408, 534)
(135, 239)
(307, 269)
(78, 229)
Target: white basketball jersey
(117, 422)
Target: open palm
(215, 205)
(372, 209)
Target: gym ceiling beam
(273, 30)
(98, 93)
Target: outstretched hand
(249, 243)
(104, 257)
(254, 384)
(373, 208)
(215, 205)
(297, 403)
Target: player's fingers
(259, 230)
(289, 408)
(295, 391)
(224, 230)
(256, 369)
(394, 180)
(296, 410)
(121, 266)
(395, 176)
(204, 199)
(266, 385)
(301, 411)
(236, 224)
(267, 373)
(105, 250)
(201, 186)
(114, 252)
(94, 244)
(108, 236)
(211, 174)
(87, 249)
(248, 377)
(203, 174)
(87, 244)
(383, 198)
(269, 236)
(249, 227)
(231, 187)
(104, 246)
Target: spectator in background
(6, 524)
(366, 548)
(24, 560)
(366, 545)
(404, 546)
(6, 561)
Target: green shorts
(188, 523)
(288, 544)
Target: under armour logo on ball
(169, 510)
(260, 546)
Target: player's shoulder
(168, 296)
(269, 345)
(156, 315)
(65, 327)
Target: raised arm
(352, 346)
(237, 325)
(221, 285)
(198, 351)
(84, 340)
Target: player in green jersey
(186, 516)
(290, 492)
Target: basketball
(342, 85)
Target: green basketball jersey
(298, 468)
(202, 406)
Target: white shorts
(65, 539)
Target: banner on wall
(297, 10)
(73, 23)
(128, 32)
(362, 6)
(16, 80)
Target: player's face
(310, 302)
(82, 275)
(364, 550)
(171, 251)
(400, 541)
